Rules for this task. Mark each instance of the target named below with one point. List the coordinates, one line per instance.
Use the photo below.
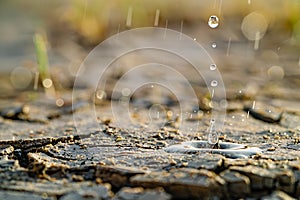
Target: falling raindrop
(256, 41)
(253, 105)
(214, 83)
(156, 112)
(213, 21)
(181, 28)
(156, 20)
(166, 27)
(213, 45)
(213, 67)
(129, 17)
(228, 47)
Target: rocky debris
(6, 149)
(117, 176)
(277, 195)
(268, 179)
(20, 112)
(23, 196)
(67, 109)
(290, 121)
(140, 193)
(184, 183)
(6, 164)
(264, 112)
(238, 185)
(91, 192)
(15, 112)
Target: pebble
(290, 120)
(277, 195)
(140, 193)
(22, 196)
(238, 184)
(264, 112)
(191, 184)
(260, 178)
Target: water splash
(214, 45)
(213, 136)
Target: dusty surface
(42, 156)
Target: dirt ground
(46, 154)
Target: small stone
(266, 137)
(184, 164)
(277, 195)
(285, 180)
(238, 184)
(140, 193)
(290, 120)
(22, 196)
(264, 112)
(190, 184)
(173, 162)
(271, 149)
(6, 150)
(260, 178)
(277, 137)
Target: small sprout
(43, 65)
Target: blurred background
(256, 43)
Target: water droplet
(214, 83)
(213, 45)
(213, 21)
(195, 39)
(213, 67)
